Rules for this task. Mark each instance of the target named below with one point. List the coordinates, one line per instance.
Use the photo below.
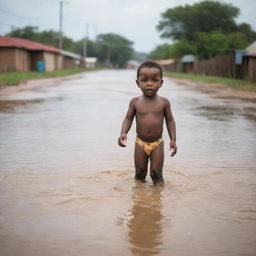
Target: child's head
(150, 64)
(149, 78)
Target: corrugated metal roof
(251, 53)
(251, 46)
(6, 41)
(71, 54)
(188, 58)
(251, 49)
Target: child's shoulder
(134, 100)
(164, 100)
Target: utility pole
(60, 31)
(85, 41)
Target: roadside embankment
(20, 81)
(223, 87)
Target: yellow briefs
(148, 146)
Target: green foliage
(91, 48)
(49, 37)
(162, 51)
(181, 48)
(247, 32)
(216, 43)
(183, 22)
(29, 32)
(172, 51)
(114, 49)
(15, 78)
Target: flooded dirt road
(67, 188)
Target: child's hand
(173, 148)
(122, 140)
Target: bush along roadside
(234, 83)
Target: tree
(181, 48)
(172, 51)
(183, 22)
(49, 37)
(91, 48)
(216, 43)
(114, 49)
(162, 51)
(247, 31)
(29, 32)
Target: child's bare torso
(149, 113)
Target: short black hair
(149, 64)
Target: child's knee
(140, 174)
(157, 176)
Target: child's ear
(137, 82)
(162, 81)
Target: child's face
(149, 81)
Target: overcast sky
(134, 19)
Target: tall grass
(15, 78)
(234, 83)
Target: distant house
(17, 54)
(250, 62)
(90, 62)
(71, 60)
(188, 63)
(132, 64)
(251, 49)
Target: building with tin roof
(72, 60)
(18, 54)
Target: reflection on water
(219, 113)
(225, 112)
(145, 224)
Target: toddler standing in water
(150, 110)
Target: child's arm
(127, 123)
(171, 127)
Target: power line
(60, 29)
(18, 16)
(8, 24)
(26, 18)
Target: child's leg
(156, 166)
(140, 162)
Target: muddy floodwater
(66, 188)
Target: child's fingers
(122, 142)
(174, 150)
(173, 153)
